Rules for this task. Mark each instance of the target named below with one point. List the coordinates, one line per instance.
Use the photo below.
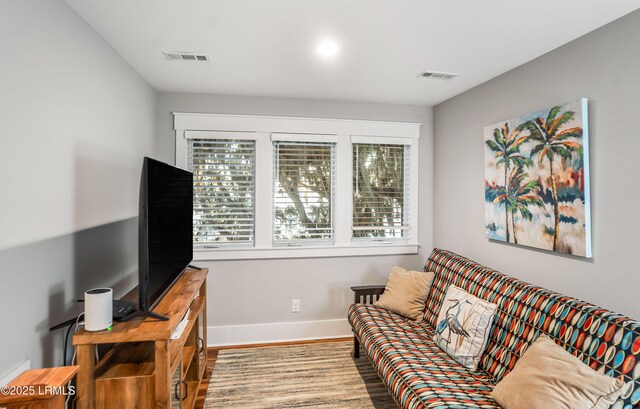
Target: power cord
(65, 343)
(73, 359)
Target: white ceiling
(267, 47)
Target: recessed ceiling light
(327, 49)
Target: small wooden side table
(38, 389)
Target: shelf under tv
(144, 367)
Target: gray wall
(76, 121)
(260, 291)
(84, 119)
(602, 66)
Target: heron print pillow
(463, 326)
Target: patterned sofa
(418, 374)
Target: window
(272, 187)
(303, 192)
(223, 191)
(380, 202)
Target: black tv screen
(165, 229)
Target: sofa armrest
(367, 294)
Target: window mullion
(344, 191)
(264, 190)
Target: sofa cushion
(405, 292)
(606, 341)
(463, 326)
(547, 376)
(416, 371)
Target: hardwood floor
(213, 355)
(202, 390)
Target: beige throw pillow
(547, 376)
(406, 292)
(463, 326)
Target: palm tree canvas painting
(537, 180)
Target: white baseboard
(277, 332)
(11, 375)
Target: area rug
(321, 375)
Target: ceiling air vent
(437, 75)
(181, 56)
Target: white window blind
(303, 195)
(380, 191)
(223, 191)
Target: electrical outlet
(295, 305)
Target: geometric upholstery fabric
(606, 341)
(419, 374)
(416, 371)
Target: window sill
(359, 249)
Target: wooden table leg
(203, 294)
(163, 377)
(85, 381)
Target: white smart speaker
(98, 309)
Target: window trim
(263, 129)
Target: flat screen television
(165, 235)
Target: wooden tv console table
(143, 367)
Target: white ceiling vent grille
(437, 75)
(182, 56)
